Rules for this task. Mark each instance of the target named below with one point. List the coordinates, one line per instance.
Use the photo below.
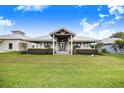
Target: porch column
(30, 45)
(56, 46)
(53, 44)
(71, 45)
(68, 46)
(94, 45)
(37, 45)
(42, 45)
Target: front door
(62, 46)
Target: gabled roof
(58, 30)
(109, 40)
(11, 36)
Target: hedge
(40, 51)
(86, 51)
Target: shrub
(22, 52)
(40, 51)
(86, 51)
(104, 50)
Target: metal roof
(109, 40)
(12, 36)
(44, 38)
(85, 39)
(76, 39)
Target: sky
(96, 21)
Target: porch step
(62, 52)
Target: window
(77, 45)
(47, 45)
(10, 45)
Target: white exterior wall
(1, 46)
(31, 45)
(109, 49)
(4, 46)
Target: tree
(120, 44)
(115, 47)
(99, 46)
(118, 35)
(122, 37)
(23, 46)
(93, 46)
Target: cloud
(27, 8)
(111, 22)
(89, 29)
(117, 11)
(103, 15)
(108, 23)
(99, 8)
(104, 33)
(87, 26)
(5, 22)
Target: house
(108, 44)
(61, 41)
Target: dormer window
(18, 33)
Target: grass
(61, 71)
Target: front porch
(61, 42)
(62, 47)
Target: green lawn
(17, 70)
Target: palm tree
(114, 46)
(120, 44)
